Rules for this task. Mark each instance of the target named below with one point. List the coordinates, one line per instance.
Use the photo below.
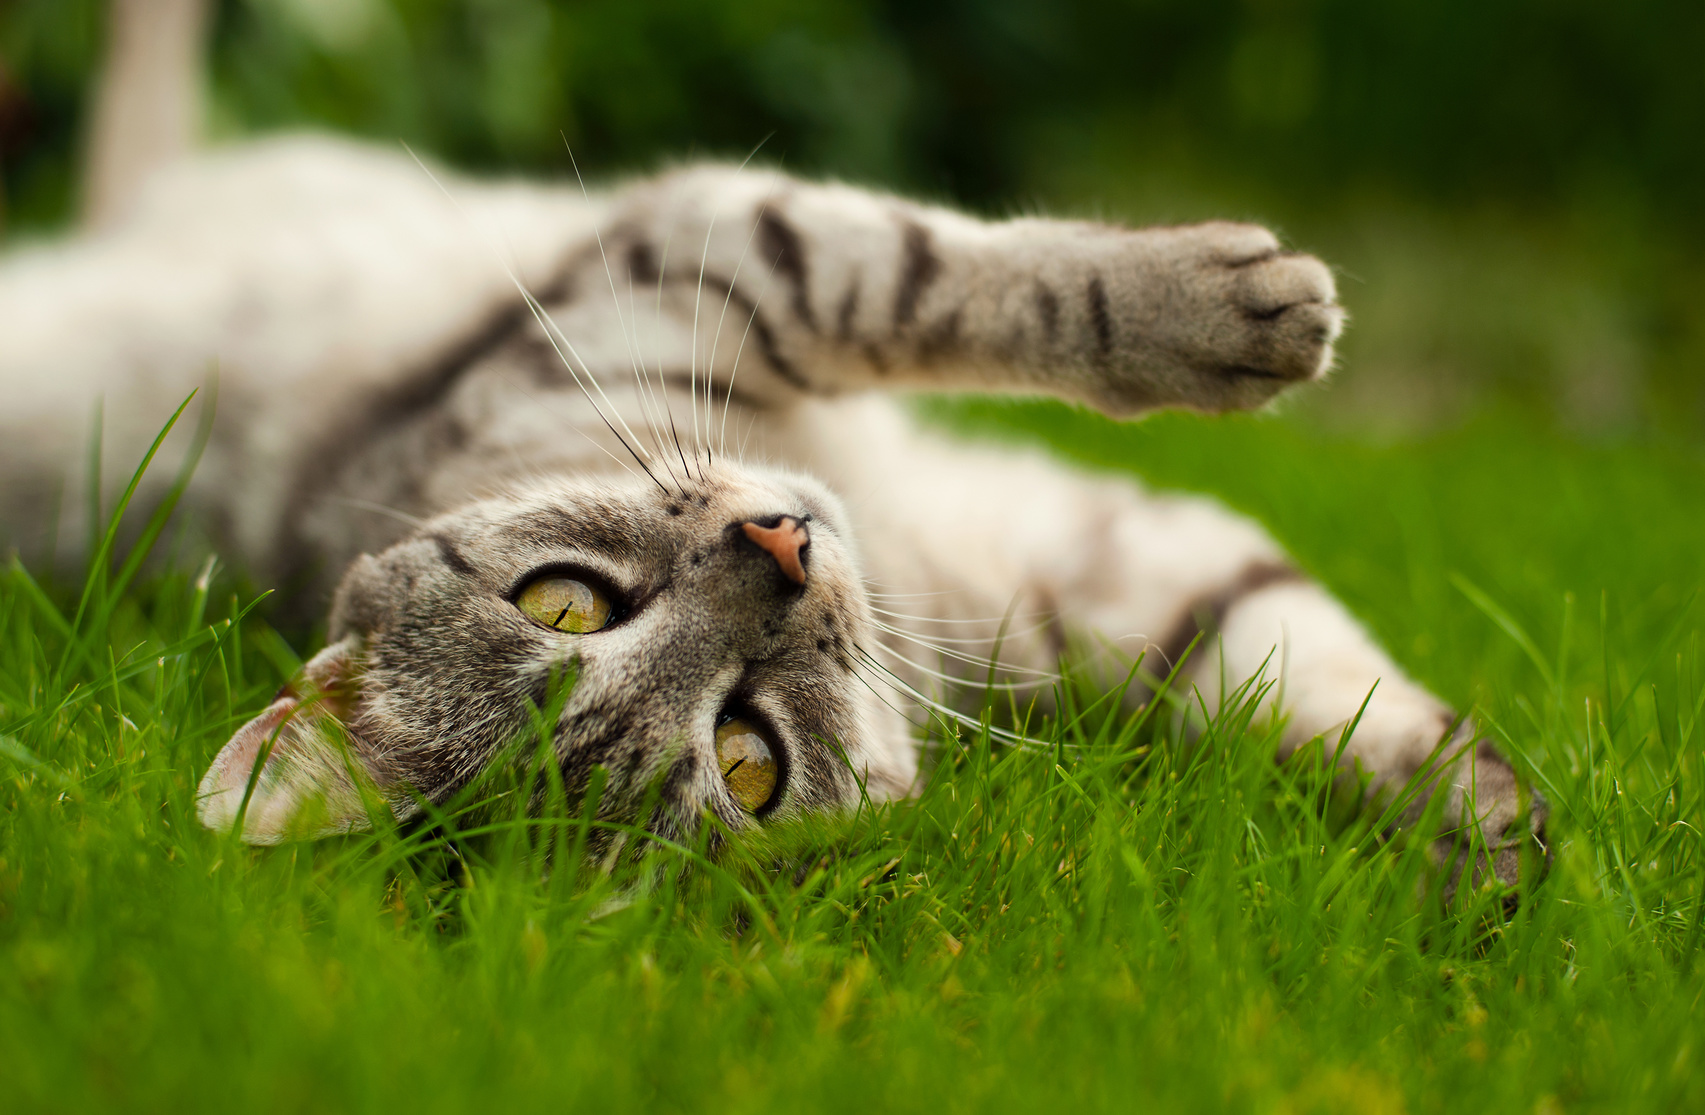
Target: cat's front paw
(1503, 835)
(1219, 317)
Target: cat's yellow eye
(564, 603)
(748, 765)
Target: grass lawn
(1117, 918)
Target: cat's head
(713, 630)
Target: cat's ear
(294, 772)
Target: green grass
(1120, 919)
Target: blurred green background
(1511, 189)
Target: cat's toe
(1518, 857)
(1288, 307)
(1244, 318)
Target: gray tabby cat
(651, 434)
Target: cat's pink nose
(784, 541)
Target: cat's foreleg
(981, 533)
(1329, 679)
(834, 289)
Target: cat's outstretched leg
(847, 289)
(966, 534)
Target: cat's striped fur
(432, 388)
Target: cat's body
(702, 342)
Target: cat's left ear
(295, 772)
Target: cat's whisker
(647, 393)
(943, 644)
(895, 681)
(698, 302)
(874, 594)
(953, 679)
(628, 328)
(728, 399)
(668, 408)
(553, 335)
(727, 300)
(751, 424)
(936, 642)
(414, 521)
(537, 310)
(990, 621)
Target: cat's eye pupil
(565, 603)
(748, 764)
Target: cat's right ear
(295, 772)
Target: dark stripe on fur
(1206, 614)
(1100, 319)
(848, 311)
(919, 268)
(761, 331)
(642, 262)
(1048, 309)
(684, 380)
(452, 557)
(782, 247)
(941, 339)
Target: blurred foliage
(1519, 178)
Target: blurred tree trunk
(148, 104)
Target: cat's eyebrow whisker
(892, 707)
(698, 299)
(751, 318)
(629, 326)
(378, 508)
(727, 300)
(648, 396)
(575, 426)
(668, 408)
(552, 333)
(716, 338)
(693, 335)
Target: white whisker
(629, 336)
(539, 315)
(952, 679)
(937, 642)
(727, 300)
(734, 371)
(368, 505)
(946, 711)
(990, 621)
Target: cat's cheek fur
(295, 772)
